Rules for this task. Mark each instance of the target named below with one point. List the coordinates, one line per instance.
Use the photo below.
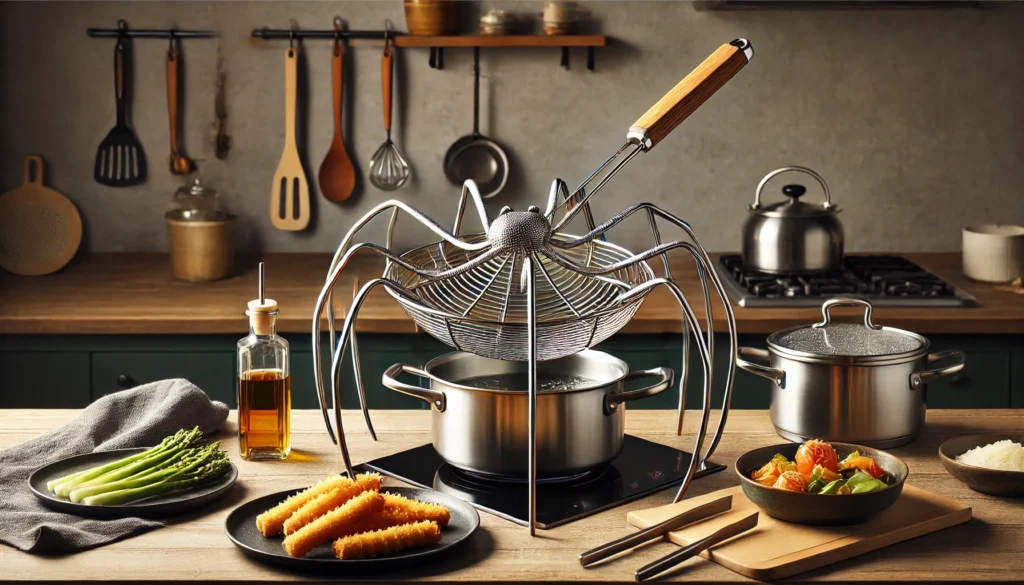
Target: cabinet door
(44, 379)
(983, 383)
(376, 353)
(213, 372)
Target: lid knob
(794, 191)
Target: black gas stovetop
(642, 468)
(884, 281)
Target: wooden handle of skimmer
(385, 75)
(690, 93)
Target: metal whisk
(388, 170)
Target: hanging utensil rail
(122, 30)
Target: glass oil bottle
(264, 384)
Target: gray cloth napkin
(140, 417)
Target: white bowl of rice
(990, 463)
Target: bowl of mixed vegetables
(821, 483)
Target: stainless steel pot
(851, 383)
(485, 429)
(793, 237)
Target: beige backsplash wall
(915, 117)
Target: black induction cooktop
(641, 469)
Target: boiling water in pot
(518, 381)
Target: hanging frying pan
(475, 156)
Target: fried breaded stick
(330, 500)
(332, 524)
(272, 521)
(415, 510)
(387, 541)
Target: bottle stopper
(262, 311)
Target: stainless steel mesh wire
(486, 310)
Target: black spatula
(120, 161)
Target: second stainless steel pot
(861, 384)
(580, 418)
(793, 237)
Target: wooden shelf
(502, 41)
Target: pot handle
(773, 374)
(827, 306)
(919, 379)
(665, 375)
(436, 398)
(760, 186)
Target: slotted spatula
(289, 194)
(120, 161)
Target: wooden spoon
(337, 175)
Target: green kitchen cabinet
(68, 371)
(214, 372)
(44, 379)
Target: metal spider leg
(346, 334)
(395, 205)
(325, 298)
(691, 320)
(531, 327)
(710, 275)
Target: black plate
(802, 508)
(153, 507)
(241, 528)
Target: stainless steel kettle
(793, 237)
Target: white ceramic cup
(993, 252)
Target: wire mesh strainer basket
(574, 311)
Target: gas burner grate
(868, 276)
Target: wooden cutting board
(776, 549)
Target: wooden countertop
(988, 548)
(136, 294)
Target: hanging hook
(338, 26)
(291, 34)
(122, 27)
(170, 44)
(387, 37)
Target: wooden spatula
(120, 161)
(289, 193)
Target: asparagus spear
(188, 461)
(205, 474)
(97, 471)
(166, 450)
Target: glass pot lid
(857, 342)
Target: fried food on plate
(272, 521)
(330, 500)
(332, 524)
(387, 541)
(415, 510)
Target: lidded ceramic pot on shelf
(200, 234)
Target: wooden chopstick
(658, 530)
(668, 561)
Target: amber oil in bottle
(264, 384)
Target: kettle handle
(760, 186)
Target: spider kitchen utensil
(388, 170)
(688, 517)
(476, 157)
(337, 175)
(40, 229)
(289, 193)
(180, 164)
(524, 290)
(120, 160)
(793, 237)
